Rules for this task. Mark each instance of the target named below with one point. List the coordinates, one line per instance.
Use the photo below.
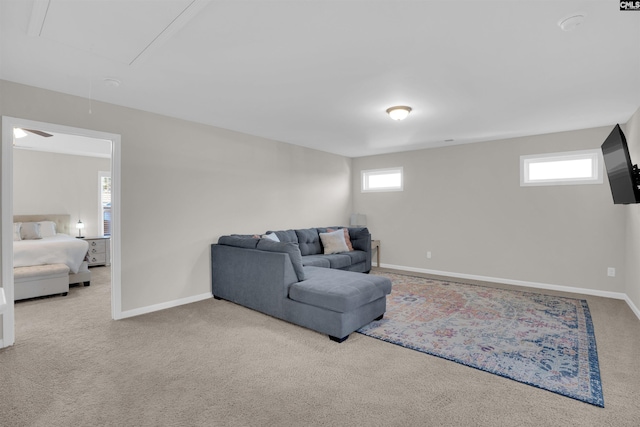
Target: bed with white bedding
(58, 249)
(45, 239)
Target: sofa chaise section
(270, 277)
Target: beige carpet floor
(213, 363)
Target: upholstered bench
(40, 280)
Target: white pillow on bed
(30, 231)
(47, 229)
(16, 231)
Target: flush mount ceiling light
(399, 112)
(571, 23)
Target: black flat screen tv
(623, 176)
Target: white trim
(6, 201)
(523, 283)
(101, 174)
(116, 227)
(633, 307)
(364, 183)
(547, 286)
(8, 123)
(165, 305)
(597, 175)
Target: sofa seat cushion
(336, 290)
(339, 260)
(316, 261)
(356, 256)
(383, 283)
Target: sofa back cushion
(240, 241)
(285, 235)
(287, 247)
(360, 238)
(309, 241)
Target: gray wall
(633, 217)
(185, 184)
(51, 183)
(464, 203)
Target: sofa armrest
(361, 240)
(253, 278)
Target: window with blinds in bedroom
(105, 202)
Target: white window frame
(102, 174)
(596, 168)
(366, 174)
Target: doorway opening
(81, 200)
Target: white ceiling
(321, 73)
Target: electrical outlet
(611, 272)
(429, 255)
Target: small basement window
(382, 180)
(575, 167)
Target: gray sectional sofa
(295, 281)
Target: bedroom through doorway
(64, 180)
(54, 174)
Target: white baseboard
(1, 343)
(632, 306)
(547, 286)
(164, 305)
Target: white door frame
(8, 123)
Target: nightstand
(99, 250)
(375, 244)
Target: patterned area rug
(541, 340)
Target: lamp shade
(358, 220)
(80, 226)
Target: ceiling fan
(38, 132)
(19, 133)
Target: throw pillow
(30, 231)
(334, 242)
(47, 229)
(271, 236)
(347, 239)
(16, 231)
